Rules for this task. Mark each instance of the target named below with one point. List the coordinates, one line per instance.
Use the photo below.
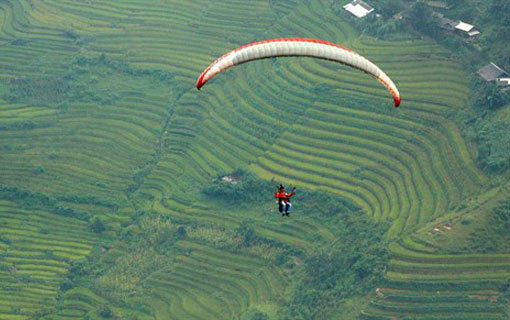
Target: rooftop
(462, 26)
(491, 72)
(358, 8)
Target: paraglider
(285, 47)
(283, 197)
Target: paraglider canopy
(285, 47)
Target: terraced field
(207, 282)
(36, 249)
(424, 285)
(132, 134)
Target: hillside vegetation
(111, 198)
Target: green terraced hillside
(423, 285)
(99, 113)
(37, 249)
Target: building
(493, 73)
(466, 29)
(503, 83)
(358, 8)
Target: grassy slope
(408, 165)
(37, 248)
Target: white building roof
(462, 26)
(358, 8)
(505, 81)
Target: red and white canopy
(284, 47)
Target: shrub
(105, 311)
(466, 221)
(258, 315)
(494, 236)
(97, 225)
(39, 170)
(181, 232)
(494, 153)
(350, 267)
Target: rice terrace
(287, 187)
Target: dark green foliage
(384, 24)
(323, 204)
(422, 20)
(247, 233)
(75, 85)
(76, 270)
(505, 288)
(71, 34)
(19, 42)
(482, 125)
(388, 8)
(138, 178)
(466, 221)
(494, 236)
(15, 310)
(488, 96)
(143, 247)
(249, 237)
(39, 170)
(500, 218)
(246, 188)
(181, 232)
(105, 312)
(493, 138)
(4, 240)
(383, 28)
(37, 200)
(40, 91)
(496, 43)
(101, 184)
(95, 200)
(494, 150)
(352, 266)
(97, 225)
(25, 125)
(121, 66)
(258, 315)
(66, 285)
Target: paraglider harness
(284, 204)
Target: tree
(97, 225)
(257, 315)
(388, 8)
(489, 95)
(181, 232)
(105, 311)
(496, 42)
(493, 141)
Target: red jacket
(283, 196)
